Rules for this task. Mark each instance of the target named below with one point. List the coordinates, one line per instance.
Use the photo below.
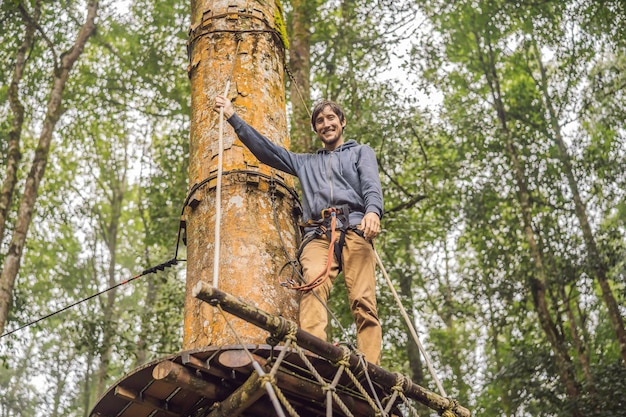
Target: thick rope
(398, 391)
(410, 326)
(363, 392)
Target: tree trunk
(300, 65)
(110, 234)
(143, 337)
(17, 121)
(494, 336)
(256, 226)
(448, 314)
(413, 352)
(25, 212)
(596, 261)
(579, 343)
(538, 279)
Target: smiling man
(342, 206)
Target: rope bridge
(295, 374)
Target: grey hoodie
(347, 175)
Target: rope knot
(329, 388)
(400, 380)
(267, 378)
(345, 359)
(449, 410)
(286, 331)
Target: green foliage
(519, 72)
(109, 205)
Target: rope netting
(395, 403)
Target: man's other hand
(370, 225)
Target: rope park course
(220, 372)
(304, 376)
(293, 373)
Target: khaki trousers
(359, 265)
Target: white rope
(218, 186)
(410, 325)
(218, 194)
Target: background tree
(61, 67)
(107, 209)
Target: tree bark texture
(258, 233)
(54, 110)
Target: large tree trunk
(256, 226)
(596, 261)
(537, 280)
(25, 212)
(300, 66)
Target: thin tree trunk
(448, 311)
(300, 67)
(538, 279)
(596, 261)
(29, 197)
(494, 333)
(413, 353)
(151, 294)
(579, 343)
(110, 236)
(17, 121)
(86, 394)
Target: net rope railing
(329, 385)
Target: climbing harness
(336, 236)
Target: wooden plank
(147, 400)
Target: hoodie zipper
(329, 173)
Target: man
(338, 182)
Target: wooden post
(252, 195)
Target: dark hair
(319, 107)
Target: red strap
(323, 276)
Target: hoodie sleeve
(265, 150)
(370, 181)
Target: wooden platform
(229, 381)
(192, 382)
